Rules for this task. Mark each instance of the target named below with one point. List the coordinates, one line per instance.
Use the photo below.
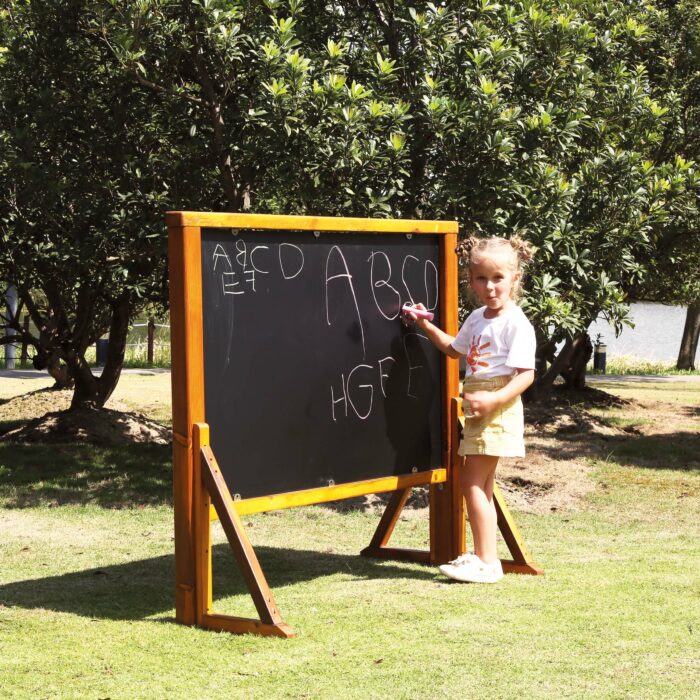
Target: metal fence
(148, 345)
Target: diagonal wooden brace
(212, 480)
(522, 560)
(377, 547)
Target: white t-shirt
(496, 346)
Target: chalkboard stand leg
(447, 515)
(522, 560)
(201, 520)
(377, 547)
(270, 622)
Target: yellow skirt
(499, 434)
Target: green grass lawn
(87, 593)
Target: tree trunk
(546, 352)
(50, 361)
(691, 334)
(562, 363)
(92, 391)
(575, 373)
(60, 373)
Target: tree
(535, 118)
(282, 93)
(674, 68)
(548, 113)
(86, 174)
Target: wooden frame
(200, 492)
(194, 466)
(521, 563)
(210, 487)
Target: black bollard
(101, 352)
(599, 357)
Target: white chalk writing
(384, 282)
(300, 260)
(346, 276)
(354, 391)
(219, 252)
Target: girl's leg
(477, 478)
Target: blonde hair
(473, 249)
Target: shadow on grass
(7, 425)
(61, 474)
(145, 588)
(678, 451)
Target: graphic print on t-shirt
(474, 358)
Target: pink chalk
(418, 312)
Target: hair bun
(523, 248)
(466, 246)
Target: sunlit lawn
(87, 591)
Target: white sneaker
(474, 571)
(456, 564)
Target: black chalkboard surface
(310, 378)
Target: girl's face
(492, 279)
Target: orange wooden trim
(458, 503)
(238, 540)
(244, 625)
(185, 610)
(188, 401)
(307, 223)
(450, 314)
(448, 259)
(187, 371)
(447, 512)
(202, 528)
(512, 567)
(324, 494)
(388, 520)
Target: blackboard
(310, 377)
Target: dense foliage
(549, 119)
(674, 68)
(90, 162)
(538, 118)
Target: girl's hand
(482, 403)
(413, 316)
(420, 322)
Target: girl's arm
(441, 340)
(483, 402)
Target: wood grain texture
(187, 401)
(238, 540)
(306, 223)
(202, 528)
(325, 494)
(447, 512)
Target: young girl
(499, 343)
